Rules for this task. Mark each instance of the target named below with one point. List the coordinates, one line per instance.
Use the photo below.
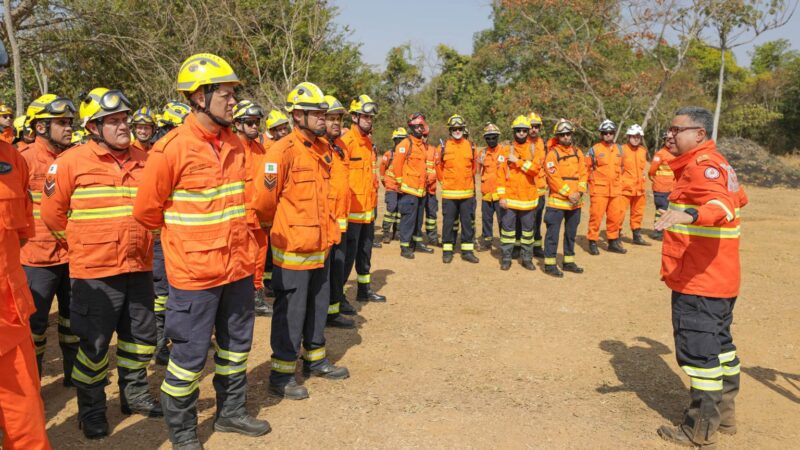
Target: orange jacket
(660, 173)
(340, 186)
(16, 224)
(703, 258)
(252, 150)
(604, 164)
(519, 187)
(42, 250)
(493, 168)
(193, 186)
(456, 168)
(634, 163)
(539, 153)
(21, 146)
(138, 144)
(363, 192)
(431, 156)
(295, 196)
(7, 135)
(409, 166)
(387, 171)
(88, 205)
(566, 173)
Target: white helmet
(635, 130)
(607, 125)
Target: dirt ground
(467, 356)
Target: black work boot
(447, 257)
(191, 444)
(326, 370)
(727, 407)
(95, 427)
(572, 267)
(505, 264)
(516, 252)
(538, 252)
(387, 236)
(505, 258)
(262, 308)
(422, 248)
(593, 250)
(615, 246)
(146, 406)
(92, 412)
(346, 308)
(700, 421)
(637, 238)
(338, 321)
(469, 257)
(244, 424)
(485, 244)
(553, 271)
(289, 390)
(406, 252)
(526, 260)
(677, 436)
(365, 294)
(657, 235)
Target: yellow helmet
(534, 119)
(563, 126)
(203, 69)
(5, 110)
(521, 122)
(50, 106)
(491, 128)
(78, 137)
(174, 113)
(19, 125)
(101, 102)
(334, 105)
(143, 116)
(306, 96)
(364, 105)
(276, 118)
(456, 121)
(399, 133)
(246, 108)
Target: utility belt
(570, 178)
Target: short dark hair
(700, 116)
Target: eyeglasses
(251, 123)
(606, 133)
(454, 129)
(537, 126)
(677, 130)
(564, 134)
(521, 130)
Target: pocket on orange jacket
(304, 235)
(41, 250)
(100, 249)
(205, 256)
(303, 180)
(12, 212)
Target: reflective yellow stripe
(468, 247)
(552, 201)
(230, 370)
(342, 224)
(334, 308)
(83, 359)
(730, 371)
(231, 212)
(550, 261)
(105, 191)
(582, 184)
(692, 371)
(409, 190)
(364, 279)
(298, 259)
(457, 194)
(525, 205)
(705, 385)
(101, 213)
(176, 391)
(501, 190)
(77, 375)
(139, 349)
(709, 232)
(366, 216)
(526, 165)
(68, 338)
(236, 357)
(130, 363)
(59, 234)
(315, 355)
(215, 193)
(181, 373)
(727, 356)
(685, 206)
(64, 322)
(564, 189)
(282, 366)
(569, 258)
(447, 247)
(37, 214)
(36, 196)
(542, 191)
(665, 173)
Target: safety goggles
(456, 122)
(60, 106)
(369, 108)
(111, 100)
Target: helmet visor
(112, 100)
(456, 122)
(370, 108)
(60, 106)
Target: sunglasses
(606, 133)
(521, 131)
(564, 134)
(456, 129)
(251, 123)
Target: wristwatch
(692, 212)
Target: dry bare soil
(467, 356)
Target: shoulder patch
(5, 167)
(501, 158)
(271, 168)
(711, 173)
(550, 164)
(656, 158)
(401, 150)
(701, 158)
(52, 170)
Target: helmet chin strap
(304, 126)
(100, 138)
(358, 122)
(208, 93)
(46, 135)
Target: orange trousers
(262, 240)
(636, 204)
(614, 210)
(21, 408)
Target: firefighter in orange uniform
(277, 125)
(431, 201)
(340, 190)
(663, 180)
(391, 218)
(455, 170)
(700, 264)
(144, 128)
(634, 161)
(410, 170)
(493, 169)
(541, 183)
(295, 196)
(87, 205)
(605, 166)
(22, 419)
(6, 124)
(24, 135)
(520, 196)
(172, 116)
(363, 197)
(246, 118)
(193, 189)
(44, 259)
(566, 174)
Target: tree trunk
(12, 42)
(718, 109)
